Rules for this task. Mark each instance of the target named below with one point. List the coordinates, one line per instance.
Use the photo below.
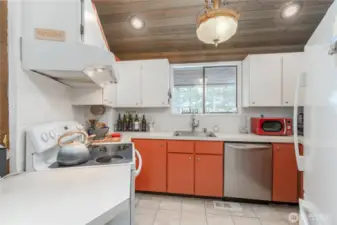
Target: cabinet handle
(278, 148)
(198, 159)
(189, 158)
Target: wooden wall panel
(3, 72)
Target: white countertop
(126, 136)
(76, 196)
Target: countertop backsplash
(166, 121)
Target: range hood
(72, 63)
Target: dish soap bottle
(136, 123)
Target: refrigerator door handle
(140, 163)
(299, 158)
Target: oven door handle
(140, 163)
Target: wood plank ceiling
(170, 29)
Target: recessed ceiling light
(137, 23)
(291, 9)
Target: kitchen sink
(193, 134)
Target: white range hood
(72, 63)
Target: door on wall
(3, 77)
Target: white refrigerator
(319, 163)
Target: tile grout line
(205, 213)
(181, 213)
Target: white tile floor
(172, 210)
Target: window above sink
(204, 89)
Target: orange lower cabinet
(285, 177)
(153, 174)
(300, 178)
(209, 175)
(180, 173)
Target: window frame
(237, 64)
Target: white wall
(83, 114)
(32, 98)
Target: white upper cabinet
(271, 79)
(94, 96)
(293, 66)
(128, 87)
(143, 83)
(155, 83)
(62, 16)
(265, 77)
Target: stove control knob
(44, 137)
(52, 134)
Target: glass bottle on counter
(136, 123)
(125, 123)
(119, 123)
(130, 122)
(144, 124)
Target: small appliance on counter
(272, 126)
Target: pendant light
(216, 25)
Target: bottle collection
(131, 123)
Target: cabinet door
(300, 178)
(293, 66)
(153, 174)
(265, 80)
(155, 83)
(209, 178)
(180, 146)
(109, 95)
(209, 147)
(180, 173)
(284, 173)
(128, 87)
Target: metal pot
(74, 150)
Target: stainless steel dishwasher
(248, 171)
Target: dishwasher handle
(249, 146)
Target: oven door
(273, 127)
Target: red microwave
(272, 126)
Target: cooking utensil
(99, 132)
(73, 151)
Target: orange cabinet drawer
(209, 147)
(180, 146)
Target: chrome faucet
(194, 123)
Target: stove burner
(108, 159)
